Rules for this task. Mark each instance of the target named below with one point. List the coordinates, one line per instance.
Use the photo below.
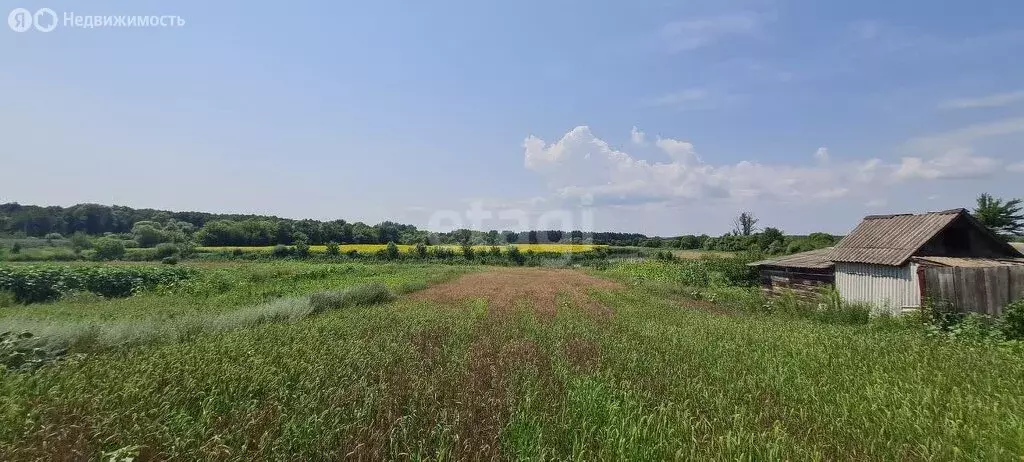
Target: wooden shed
(804, 273)
(878, 262)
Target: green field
(636, 372)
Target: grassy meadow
(485, 368)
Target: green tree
(770, 236)
(108, 248)
(1001, 217)
(333, 249)
(147, 234)
(301, 248)
(745, 224)
(492, 237)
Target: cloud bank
(580, 164)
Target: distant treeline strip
(210, 229)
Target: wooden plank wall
(804, 284)
(981, 290)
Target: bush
(53, 237)
(302, 249)
(514, 255)
(1011, 322)
(392, 251)
(80, 241)
(333, 249)
(361, 295)
(281, 251)
(33, 284)
(421, 250)
(109, 248)
(941, 314)
(16, 248)
(166, 249)
(467, 251)
(171, 260)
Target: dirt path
(539, 288)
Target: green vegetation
(1002, 217)
(300, 360)
(34, 284)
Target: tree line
(149, 227)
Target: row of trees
(149, 227)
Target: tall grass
(656, 376)
(412, 380)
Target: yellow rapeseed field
(373, 248)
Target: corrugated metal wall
(888, 288)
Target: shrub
(1011, 322)
(16, 248)
(166, 249)
(392, 251)
(941, 314)
(53, 237)
(361, 295)
(32, 284)
(109, 248)
(171, 260)
(514, 255)
(333, 249)
(421, 250)
(80, 241)
(494, 251)
(467, 251)
(281, 251)
(302, 249)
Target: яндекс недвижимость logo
(21, 20)
(46, 20)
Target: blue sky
(663, 117)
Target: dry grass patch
(502, 288)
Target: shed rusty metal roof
(892, 239)
(817, 259)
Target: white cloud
(876, 203)
(958, 163)
(962, 137)
(581, 164)
(691, 34)
(1017, 168)
(680, 151)
(638, 137)
(997, 100)
(951, 155)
